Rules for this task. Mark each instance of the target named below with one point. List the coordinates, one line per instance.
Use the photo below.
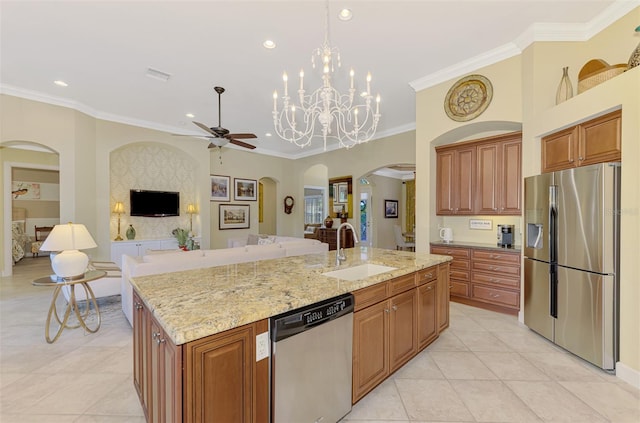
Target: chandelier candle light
(326, 112)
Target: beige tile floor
(485, 368)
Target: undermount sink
(359, 272)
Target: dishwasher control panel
(292, 322)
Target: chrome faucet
(340, 257)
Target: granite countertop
(192, 304)
(465, 244)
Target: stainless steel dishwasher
(311, 362)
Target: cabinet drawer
(453, 252)
(504, 269)
(458, 274)
(427, 275)
(493, 279)
(460, 289)
(401, 284)
(370, 295)
(461, 264)
(495, 255)
(496, 296)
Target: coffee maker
(505, 235)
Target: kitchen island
(195, 355)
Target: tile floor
(485, 368)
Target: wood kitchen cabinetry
(427, 281)
(392, 322)
(217, 376)
(455, 180)
(157, 372)
(595, 141)
(480, 177)
(499, 175)
(487, 278)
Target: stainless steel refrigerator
(571, 266)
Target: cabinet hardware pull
(386, 310)
(155, 335)
(581, 158)
(138, 306)
(429, 288)
(570, 160)
(394, 307)
(494, 295)
(450, 286)
(160, 341)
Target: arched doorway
(36, 165)
(267, 213)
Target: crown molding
(535, 32)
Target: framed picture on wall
(234, 216)
(343, 193)
(219, 188)
(391, 208)
(245, 189)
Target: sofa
(241, 250)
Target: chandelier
(347, 118)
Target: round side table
(72, 305)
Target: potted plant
(182, 235)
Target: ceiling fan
(220, 136)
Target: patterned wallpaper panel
(151, 166)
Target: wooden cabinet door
(443, 296)
(141, 350)
(402, 329)
(370, 348)
(155, 375)
(455, 181)
(464, 182)
(510, 179)
(171, 377)
(218, 377)
(445, 182)
(600, 140)
(488, 179)
(559, 150)
(427, 314)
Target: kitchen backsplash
(462, 231)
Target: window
(314, 205)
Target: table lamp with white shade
(67, 239)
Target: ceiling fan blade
(242, 144)
(205, 128)
(240, 136)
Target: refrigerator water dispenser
(534, 235)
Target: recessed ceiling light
(190, 115)
(345, 15)
(61, 83)
(268, 134)
(269, 44)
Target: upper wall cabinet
(480, 177)
(595, 141)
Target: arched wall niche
(152, 166)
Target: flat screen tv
(154, 203)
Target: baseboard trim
(629, 375)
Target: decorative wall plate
(468, 98)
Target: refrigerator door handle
(553, 250)
(553, 290)
(553, 224)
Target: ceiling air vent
(159, 75)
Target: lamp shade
(191, 209)
(70, 236)
(118, 208)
